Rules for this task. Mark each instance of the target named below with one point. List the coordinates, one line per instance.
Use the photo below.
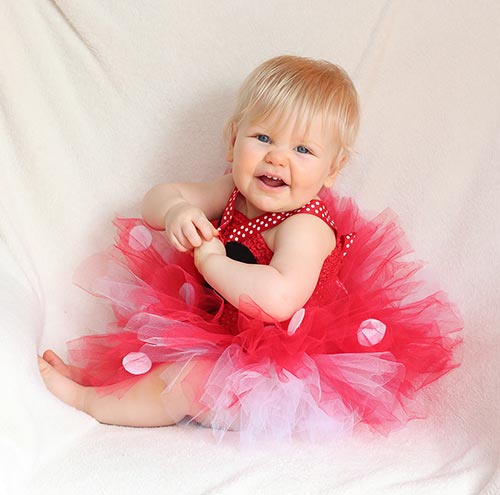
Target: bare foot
(56, 362)
(60, 385)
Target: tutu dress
(370, 336)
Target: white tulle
(104, 276)
(261, 402)
(153, 330)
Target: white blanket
(100, 100)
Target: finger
(178, 244)
(181, 242)
(205, 228)
(191, 234)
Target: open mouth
(272, 181)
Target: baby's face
(281, 168)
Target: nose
(277, 157)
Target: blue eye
(263, 138)
(302, 149)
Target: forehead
(302, 124)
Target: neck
(245, 207)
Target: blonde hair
(287, 84)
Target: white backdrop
(102, 100)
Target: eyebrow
(268, 129)
(261, 128)
(314, 144)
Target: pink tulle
(317, 381)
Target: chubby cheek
(244, 163)
(248, 150)
(241, 180)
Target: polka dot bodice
(235, 227)
(244, 228)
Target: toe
(50, 356)
(62, 387)
(43, 366)
(56, 362)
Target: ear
(334, 170)
(232, 140)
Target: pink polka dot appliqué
(137, 363)
(371, 332)
(140, 238)
(187, 293)
(296, 321)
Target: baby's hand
(186, 227)
(208, 248)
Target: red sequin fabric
(236, 227)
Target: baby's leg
(143, 405)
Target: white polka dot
(140, 238)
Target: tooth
(272, 177)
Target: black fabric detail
(239, 252)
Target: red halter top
(244, 242)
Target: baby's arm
(184, 210)
(302, 243)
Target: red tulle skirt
(356, 355)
